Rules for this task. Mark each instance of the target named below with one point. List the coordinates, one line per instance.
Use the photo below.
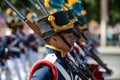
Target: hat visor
(70, 30)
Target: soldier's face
(69, 37)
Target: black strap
(65, 41)
(84, 36)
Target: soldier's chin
(71, 48)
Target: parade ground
(111, 56)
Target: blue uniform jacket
(44, 72)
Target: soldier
(86, 47)
(32, 51)
(21, 36)
(14, 46)
(77, 53)
(57, 32)
(4, 70)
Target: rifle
(97, 59)
(39, 7)
(42, 7)
(80, 62)
(75, 69)
(28, 22)
(89, 51)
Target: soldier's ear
(55, 37)
(53, 40)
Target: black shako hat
(72, 16)
(55, 23)
(78, 21)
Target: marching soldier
(32, 49)
(77, 53)
(81, 36)
(4, 70)
(14, 47)
(57, 32)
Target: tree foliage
(93, 9)
(114, 11)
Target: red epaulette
(77, 50)
(44, 62)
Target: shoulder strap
(49, 61)
(62, 71)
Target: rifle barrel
(43, 8)
(29, 23)
(14, 9)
